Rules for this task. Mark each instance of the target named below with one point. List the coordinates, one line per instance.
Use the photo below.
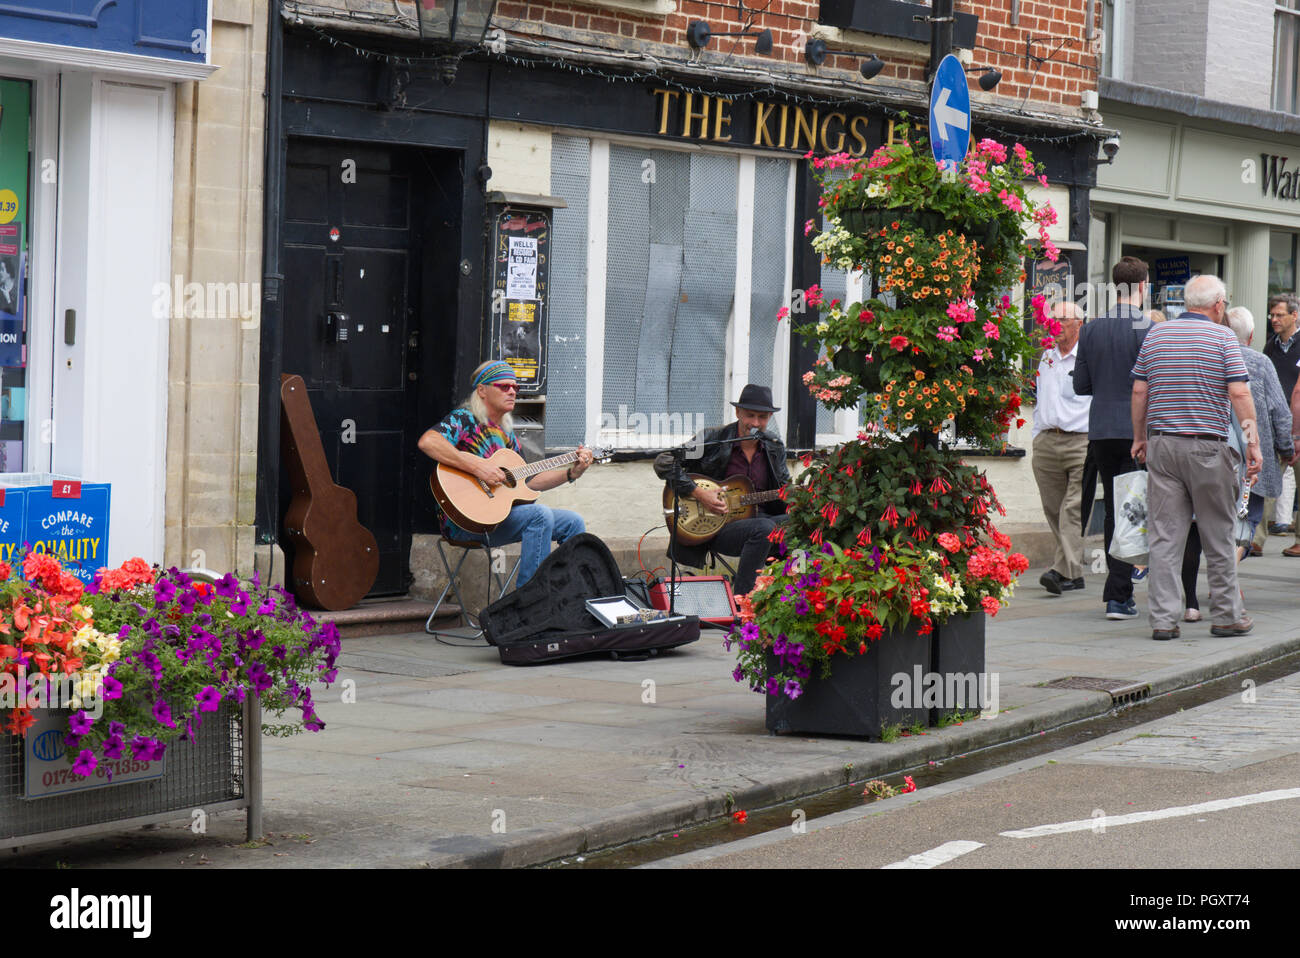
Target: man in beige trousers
(1060, 449)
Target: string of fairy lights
(661, 72)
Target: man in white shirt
(1060, 449)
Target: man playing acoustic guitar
(471, 433)
(761, 460)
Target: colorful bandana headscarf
(494, 373)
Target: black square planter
(856, 698)
(957, 657)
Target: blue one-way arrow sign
(949, 113)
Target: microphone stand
(679, 459)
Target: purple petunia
(793, 689)
(163, 592)
(112, 688)
(116, 728)
(778, 647)
(259, 676)
(85, 763)
(113, 747)
(162, 713)
(801, 607)
(209, 699)
(227, 586)
(738, 674)
(80, 723)
(773, 686)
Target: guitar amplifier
(708, 596)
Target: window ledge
(656, 7)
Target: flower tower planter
(890, 556)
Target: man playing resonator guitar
(471, 433)
(761, 460)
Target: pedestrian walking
(1283, 348)
(1274, 430)
(1108, 347)
(1060, 439)
(1187, 374)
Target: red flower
(875, 631)
(908, 785)
(991, 605)
(742, 817)
(899, 343)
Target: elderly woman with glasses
(472, 432)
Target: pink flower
(949, 541)
(783, 313)
(813, 295)
(993, 150)
(991, 330)
(1050, 251)
(807, 227)
(961, 312)
(947, 333)
(1011, 201)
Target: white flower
(877, 189)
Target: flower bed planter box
(856, 698)
(957, 655)
(219, 771)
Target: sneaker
(1121, 610)
(1191, 615)
(1139, 573)
(1237, 628)
(1279, 529)
(1164, 635)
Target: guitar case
(547, 620)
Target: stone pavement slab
(447, 757)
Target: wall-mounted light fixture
(815, 52)
(698, 35)
(989, 77)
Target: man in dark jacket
(1108, 347)
(761, 460)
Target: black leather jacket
(712, 461)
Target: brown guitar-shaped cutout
(335, 558)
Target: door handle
(69, 327)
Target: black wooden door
(352, 262)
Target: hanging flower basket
(890, 544)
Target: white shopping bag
(1129, 543)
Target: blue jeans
(534, 526)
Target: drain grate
(1119, 690)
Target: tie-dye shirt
(462, 430)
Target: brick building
(668, 183)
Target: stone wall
(217, 244)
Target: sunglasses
(507, 387)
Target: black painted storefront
(432, 138)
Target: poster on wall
(520, 288)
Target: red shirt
(755, 470)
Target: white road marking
(937, 856)
(1179, 811)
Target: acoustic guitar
(335, 557)
(475, 506)
(696, 523)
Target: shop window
(15, 165)
(1286, 56)
(1281, 263)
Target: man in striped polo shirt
(1188, 371)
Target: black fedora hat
(757, 398)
